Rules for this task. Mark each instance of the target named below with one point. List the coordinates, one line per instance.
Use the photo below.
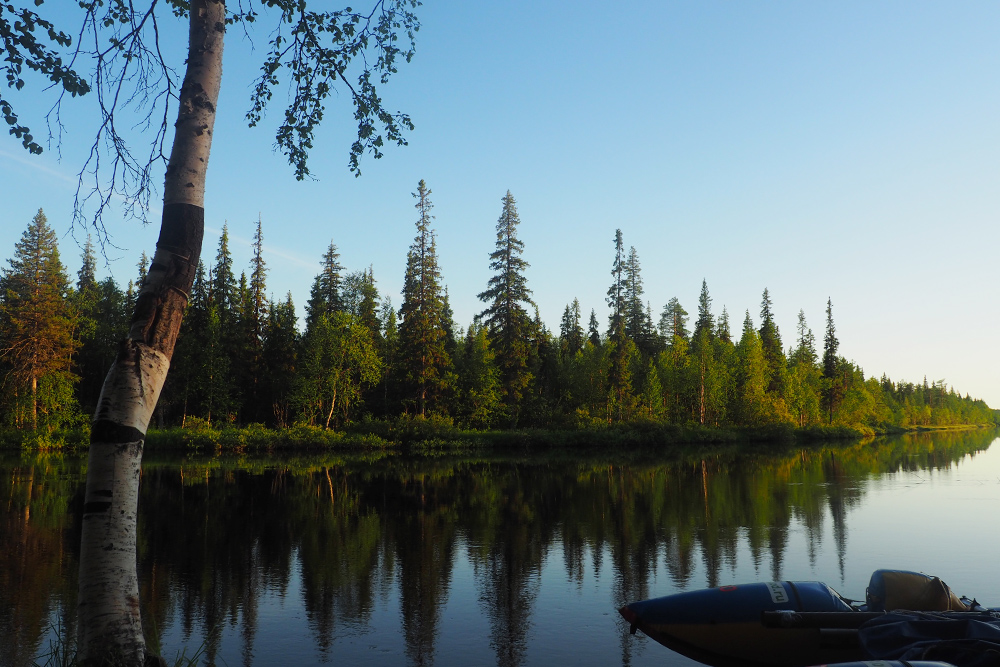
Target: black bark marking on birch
(96, 507)
(183, 229)
(105, 430)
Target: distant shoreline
(425, 436)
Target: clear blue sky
(848, 150)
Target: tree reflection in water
(222, 537)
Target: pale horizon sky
(842, 150)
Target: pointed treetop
(87, 275)
(830, 343)
(765, 309)
(616, 293)
(424, 205)
(706, 322)
(723, 332)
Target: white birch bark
(109, 585)
(110, 625)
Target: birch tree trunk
(110, 627)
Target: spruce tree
(85, 301)
(325, 296)
(87, 275)
(280, 359)
(706, 322)
(505, 317)
(830, 346)
(223, 337)
(620, 346)
(593, 333)
(256, 312)
(804, 386)
(390, 386)
(448, 324)
(424, 361)
(101, 325)
(570, 331)
(143, 267)
(774, 354)
(616, 293)
(254, 324)
(635, 311)
(751, 406)
(223, 280)
(805, 350)
(703, 353)
(367, 310)
(38, 330)
(723, 332)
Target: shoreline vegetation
(355, 373)
(421, 436)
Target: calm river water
(491, 559)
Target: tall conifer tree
(635, 311)
(770, 341)
(830, 346)
(253, 322)
(223, 282)
(723, 331)
(805, 350)
(804, 385)
(280, 359)
(143, 267)
(87, 275)
(423, 358)
(621, 346)
(38, 325)
(570, 331)
(256, 314)
(325, 297)
(506, 317)
(703, 353)
(616, 293)
(706, 322)
(102, 324)
(593, 330)
(751, 406)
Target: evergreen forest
(351, 358)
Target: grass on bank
(62, 652)
(421, 435)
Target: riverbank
(418, 435)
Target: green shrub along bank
(417, 435)
(427, 435)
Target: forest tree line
(243, 358)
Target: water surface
(492, 559)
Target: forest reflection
(218, 535)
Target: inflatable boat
(789, 623)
